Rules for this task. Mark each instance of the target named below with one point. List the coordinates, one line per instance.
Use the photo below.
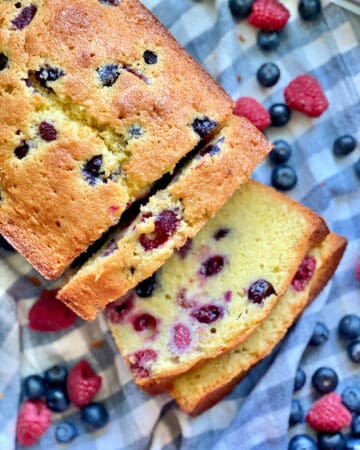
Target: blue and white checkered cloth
(255, 415)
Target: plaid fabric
(255, 414)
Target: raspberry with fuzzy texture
(33, 420)
(83, 384)
(305, 94)
(329, 414)
(254, 111)
(269, 15)
(49, 314)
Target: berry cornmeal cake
(98, 102)
(201, 388)
(171, 216)
(212, 294)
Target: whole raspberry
(254, 111)
(269, 15)
(33, 420)
(305, 94)
(329, 414)
(49, 314)
(82, 384)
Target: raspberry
(49, 314)
(82, 384)
(329, 414)
(305, 94)
(33, 420)
(358, 270)
(254, 111)
(269, 15)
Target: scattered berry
(325, 380)
(305, 94)
(302, 442)
(281, 152)
(328, 414)
(357, 173)
(49, 314)
(240, 8)
(355, 426)
(300, 379)
(352, 444)
(296, 413)
(283, 178)
(320, 334)
(5, 245)
(34, 387)
(353, 350)
(268, 74)
(254, 111)
(95, 415)
(269, 15)
(349, 326)
(268, 40)
(33, 420)
(344, 145)
(83, 384)
(331, 441)
(65, 432)
(280, 114)
(309, 9)
(55, 376)
(57, 399)
(351, 399)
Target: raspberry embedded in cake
(212, 266)
(304, 273)
(208, 313)
(144, 322)
(118, 310)
(140, 362)
(166, 223)
(259, 290)
(180, 337)
(47, 131)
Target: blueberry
(55, 376)
(95, 415)
(344, 145)
(65, 432)
(325, 380)
(25, 17)
(146, 287)
(240, 8)
(34, 387)
(355, 426)
(357, 168)
(296, 413)
(353, 350)
(309, 9)
(268, 40)
(108, 74)
(22, 150)
(331, 441)
(300, 379)
(349, 326)
(212, 266)
(150, 57)
(283, 178)
(302, 442)
(352, 444)
(3, 61)
(259, 290)
(47, 131)
(320, 334)
(92, 170)
(5, 245)
(57, 399)
(351, 398)
(281, 152)
(110, 2)
(268, 74)
(135, 131)
(48, 74)
(203, 126)
(208, 313)
(280, 114)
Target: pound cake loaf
(213, 293)
(98, 102)
(171, 216)
(201, 388)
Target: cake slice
(98, 102)
(201, 388)
(200, 186)
(212, 294)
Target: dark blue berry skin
(331, 441)
(5, 245)
(146, 287)
(55, 376)
(34, 387)
(302, 442)
(296, 413)
(65, 432)
(280, 114)
(309, 9)
(283, 178)
(344, 145)
(268, 74)
(268, 40)
(355, 426)
(240, 8)
(352, 444)
(3, 61)
(353, 350)
(320, 334)
(108, 74)
(351, 399)
(57, 399)
(325, 380)
(95, 415)
(300, 379)
(357, 169)
(281, 152)
(349, 326)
